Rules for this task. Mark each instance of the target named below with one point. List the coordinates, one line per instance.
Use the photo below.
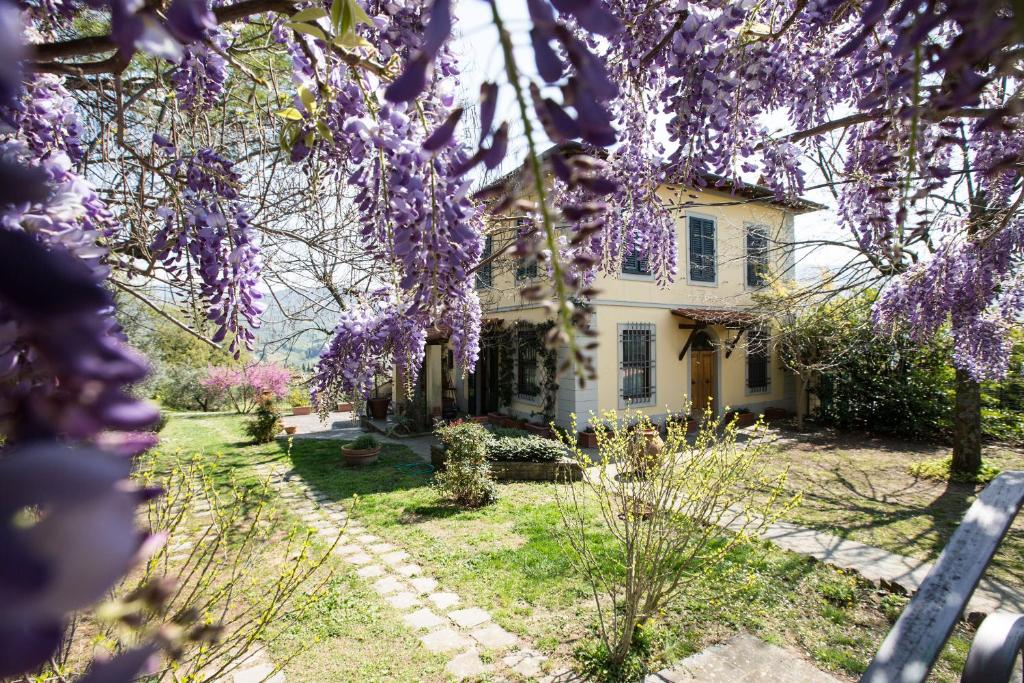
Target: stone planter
(560, 470)
(742, 419)
(480, 419)
(357, 457)
(302, 410)
(344, 407)
(588, 440)
(379, 408)
(290, 429)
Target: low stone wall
(562, 470)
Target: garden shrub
(668, 526)
(525, 449)
(265, 424)
(363, 443)
(499, 432)
(466, 478)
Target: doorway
(703, 381)
(483, 384)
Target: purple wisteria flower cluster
(213, 242)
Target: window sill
(758, 392)
(637, 277)
(701, 283)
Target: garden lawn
(343, 632)
(857, 486)
(507, 558)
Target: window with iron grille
(636, 364)
(527, 345)
(757, 255)
(485, 273)
(635, 264)
(758, 357)
(702, 249)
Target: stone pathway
(895, 572)
(742, 659)
(445, 623)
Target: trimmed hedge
(524, 449)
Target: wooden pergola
(702, 318)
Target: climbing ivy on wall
(505, 340)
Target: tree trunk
(967, 425)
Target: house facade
(698, 343)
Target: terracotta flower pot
(379, 408)
(344, 407)
(588, 440)
(538, 430)
(356, 457)
(290, 429)
(302, 410)
(480, 419)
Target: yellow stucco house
(699, 342)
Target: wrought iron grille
(759, 377)
(636, 363)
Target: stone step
(742, 658)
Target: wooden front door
(702, 382)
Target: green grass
(507, 558)
(344, 631)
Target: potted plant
(344, 407)
(290, 429)
(379, 407)
(588, 438)
(742, 416)
(361, 451)
(302, 410)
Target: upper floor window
(485, 273)
(526, 267)
(635, 264)
(636, 364)
(703, 265)
(759, 377)
(757, 256)
(527, 345)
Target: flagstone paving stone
(424, 619)
(469, 617)
(409, 570)
(370, 571)
(424, 584)
(388, 584)
(404, 600)
(494, 637)
(445, 640)
(444, 600)
(466, 665)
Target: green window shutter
(702, 249)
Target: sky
(480, 55)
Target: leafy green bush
(941, 469)
(362, 443)
(839, 590)
(499, 432)
(528, 448)
(266, 423)
(466, 478)
(1006, 425)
